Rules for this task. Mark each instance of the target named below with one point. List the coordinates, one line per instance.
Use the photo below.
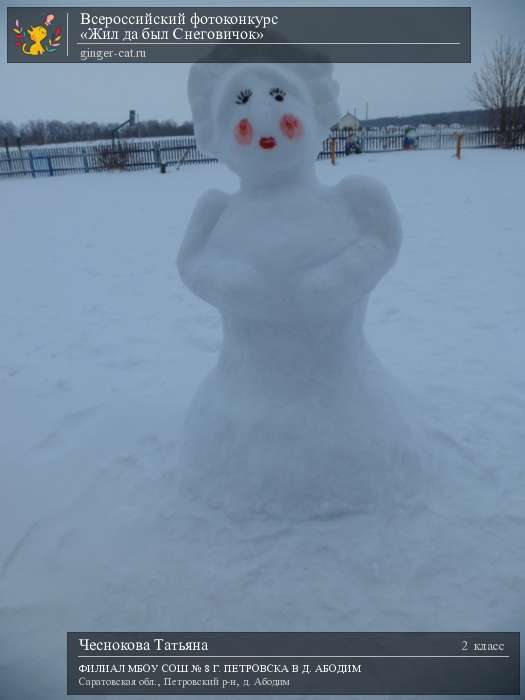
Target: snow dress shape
(298, 418)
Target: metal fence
(393, 140)
(182, 150)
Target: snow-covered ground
(102, 349)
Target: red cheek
(243, 132)
(291, 126)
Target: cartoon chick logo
(32, 41)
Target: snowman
(298, 419)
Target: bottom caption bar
(290, 663)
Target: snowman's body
(298, 418)
(282, 222)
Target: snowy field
(102, 349)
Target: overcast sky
(105, 92)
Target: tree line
(465, 117)
(42, 131)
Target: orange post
(332, 151)
(459, 142)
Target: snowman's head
(262, 118)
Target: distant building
(347, 121)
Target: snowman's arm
(222, 281)
(374, 242)
(207, 211)
(374, 213)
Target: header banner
(237, 34)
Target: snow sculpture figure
(298, 418)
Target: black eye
(243, 97)
(277, 94)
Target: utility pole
(130, 121)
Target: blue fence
(182, 150)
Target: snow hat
(206, 78)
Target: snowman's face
(264, 122)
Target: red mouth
(267, 142)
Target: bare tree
(499, 87)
